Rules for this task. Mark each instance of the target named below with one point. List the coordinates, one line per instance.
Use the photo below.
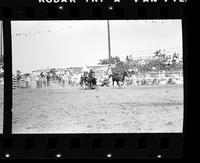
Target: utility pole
(109, 49)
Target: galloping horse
(118, 78)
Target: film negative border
(159, 145)
(92, 146)
(32, 10)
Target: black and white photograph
(96, 76)
(1, 78)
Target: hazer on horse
(118, 77)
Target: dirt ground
(130, 109)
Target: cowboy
(109, 70)
(48, 77)
(105, 78)
(92, 79)
(85, 70)
(18, 76)
(91, 73)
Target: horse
(118, 78)
(88, 82)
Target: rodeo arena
(98, 99)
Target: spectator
(85, 70)
(48, 78)
(18, 76)
(37, 81)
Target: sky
(61, 44)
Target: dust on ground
(129, 109)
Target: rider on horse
(92, 79)
(91, 74)
(88, 78)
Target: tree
(160, 61)
(114, 60)
(120, 67)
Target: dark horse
(89, 82)
(118, 78)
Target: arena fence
(14, 82)
(150, 78)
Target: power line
(20, 34)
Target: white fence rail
(153, 78)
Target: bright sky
(78, 43)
